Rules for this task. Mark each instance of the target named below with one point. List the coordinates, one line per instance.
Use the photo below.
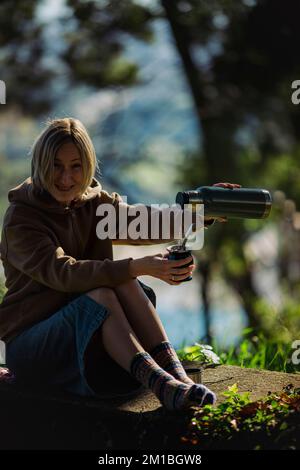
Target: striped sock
(174, 395)
(166, 357)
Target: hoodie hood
(27, 193)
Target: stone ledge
(31, 420)
(218, 379)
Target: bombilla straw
(189, 231)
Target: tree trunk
(204, 269)
(218, 136)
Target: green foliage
(199, 352)
(254, 351)
(283, 172)
(120, 72)
(259, 421)
(281, 324)
(260, 353)
(91, 43)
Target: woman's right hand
(161, 267)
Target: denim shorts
(50, 354)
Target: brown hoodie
(51, 254)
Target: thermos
(249, 203)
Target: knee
(102, 295)
(131, 284)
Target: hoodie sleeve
(31, 250)
(141, 224)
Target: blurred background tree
(42, 60)
(85, 45)
(239, 60)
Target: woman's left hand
(228, 186)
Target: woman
(72, 317)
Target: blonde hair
(57, 133)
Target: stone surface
(257, 382)
(218, 379)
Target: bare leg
(144, 320)
(121, 343)
(117, 336)
(141, 314)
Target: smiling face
(63, 160)
(68, 174)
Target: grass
(260, 353)
(254, 351)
